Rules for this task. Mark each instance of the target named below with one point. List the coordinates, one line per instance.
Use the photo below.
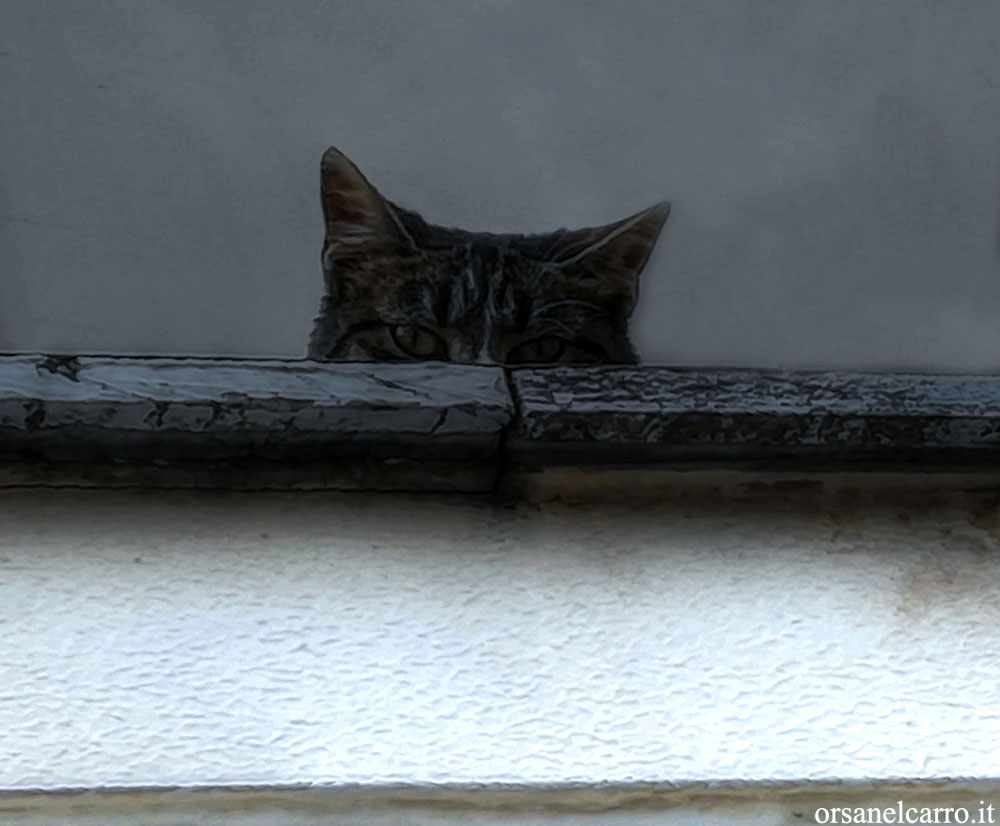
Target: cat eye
(544, 350)
(418, 342)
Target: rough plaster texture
(154, 638)
(833, 166)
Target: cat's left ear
(612, 256)
(357, 217)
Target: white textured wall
(833, 164)
(153, 638)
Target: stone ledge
(352, 425)
(760, 418)
(444, 427)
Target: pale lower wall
(153, 638)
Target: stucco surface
(154, 638)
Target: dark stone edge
(255, 423)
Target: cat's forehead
(484, 254)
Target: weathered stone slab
(172, 411)
(444, 427)
(645, 414)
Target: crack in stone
(66, 366)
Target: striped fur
(399, 288)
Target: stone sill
(254, 424)
(706, 803)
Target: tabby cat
(401, 289)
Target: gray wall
(833, 165)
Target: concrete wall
(833, 166)
(154, 638)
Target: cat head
(401, 289)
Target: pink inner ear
(347, 197)
(349, 206)
(634, 256)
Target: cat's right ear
(357, 218)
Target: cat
(401, 289)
